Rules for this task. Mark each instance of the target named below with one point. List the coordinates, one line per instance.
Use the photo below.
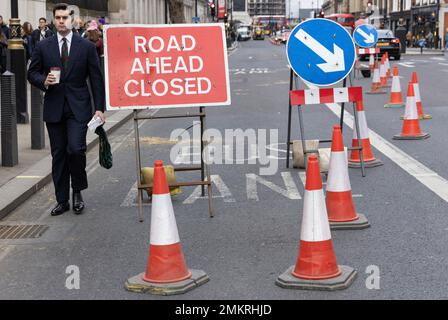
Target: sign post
(167, 66)
(321, 53)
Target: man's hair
(43, 19)
(61, 6)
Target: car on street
(387, 42)
(258, 33)
(282, 36)
(243, 33)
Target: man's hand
(51, 79)
(101, 116)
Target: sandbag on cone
(166, 271)
(411, 126)
(316, 266)
(368, 156)
(396, 98)
(339, 200)
(376, 81)
(421, 114)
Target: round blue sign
(321, 51)
(365, 36)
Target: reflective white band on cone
(338, 179)
(363, 129)
(410, 112)
(315, 225)
(163, 223)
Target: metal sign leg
(138, 168)
(288, 141)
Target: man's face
(42, 24)
(63, 21)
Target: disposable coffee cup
(57, 73)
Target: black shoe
(60, 208)
(78, 203)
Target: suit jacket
(83, 62)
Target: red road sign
(160, 66)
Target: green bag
(105, 153)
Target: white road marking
(291, 192)
(220, 186)
(443, 64)
(407, 65)
(438, 59)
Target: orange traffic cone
(372, 62)
(367, 153)
(376, 81)
(396, 98)
(166, 271)
(340, 207)
(387, 64)
(418, 100)
(316, 266)
(411, 127)
(383, 73)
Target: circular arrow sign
(365, 36)
(321, 51)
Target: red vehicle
(344, 19)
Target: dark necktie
(64, 54)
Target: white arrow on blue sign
(321, 51)
(365, 36)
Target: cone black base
(367, 164)
(137, 284)
(419, 137)
(343, 281)
(358, 224)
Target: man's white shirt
(69, 42)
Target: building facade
(266, 7)
(336, 6)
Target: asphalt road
(254, 236)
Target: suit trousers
(68, 149)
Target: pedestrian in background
(67, 104)
(4, 28)
(446, 39)
(41, 33)
(3, 51)
(27, 30)
(409, 39)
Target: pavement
(417, 51)
(33, 171)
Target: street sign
(321, 51)
(365, 35)
(163, 66)
(196, 19)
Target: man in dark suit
(67, 104)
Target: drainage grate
(22, 231)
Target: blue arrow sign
(321, 51)
(365, 36)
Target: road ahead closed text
(160, 66)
